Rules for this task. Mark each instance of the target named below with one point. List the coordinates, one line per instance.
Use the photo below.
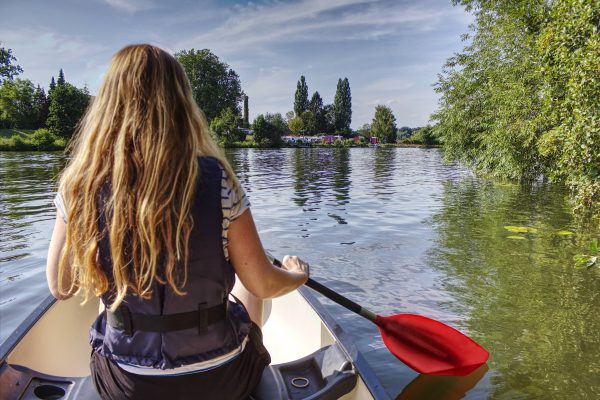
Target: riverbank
(30, 140)
(44, 140)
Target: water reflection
(322, 175)
(535, 313)
(384, 170)
(442, 387)
(26, 187)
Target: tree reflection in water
(534, 312)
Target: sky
(390, 50)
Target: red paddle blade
(430, 347)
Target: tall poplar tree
(342, 106)
(61, 78)
(317, 120)
(301, 97)
(52, 86)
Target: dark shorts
(233, 380)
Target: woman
(152, 219)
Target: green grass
(24, 133)
(30, 140)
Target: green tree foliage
(52, 86)
(215, 86)
(246, 122)
(329, 113)
(342, 106)
(17, 108)
(316, 121)
(365, 130)
(404, 132)
(569, 45)
(225, 127)
(61, 78)
(41, 106)
(301, 97)
(67, 105)
(268, 130)
(296, 125)
(522, 98)
(8, 70)
(383, 126)
(490, 93)
(424, 135)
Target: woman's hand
(296, 265)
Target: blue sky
(391, 51)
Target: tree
(41, 107)
(365, 130)
(317, 121)
(570, 109)
(278, 122)
(383, 126)
(521, 100)
(67, 105)
(7, 70)
(491, 93)
(342, 106)
(329, 113)
(225, 127)
(61, 78)
(289, 115)
(17, 104)
(296, 125)
(301, 97)
(52, 86)
(404, 132)
(268, 130)
(246, 123)
(424, 135)
(215, 86)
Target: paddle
(426, 345)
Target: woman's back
(143, 228)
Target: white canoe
(47, 357)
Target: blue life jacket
(210, 279)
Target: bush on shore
(40, 140)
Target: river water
(398, 231)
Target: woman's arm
(252, 266)
(57, 243)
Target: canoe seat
(18, 382)
(326, 374)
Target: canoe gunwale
(24, 327)
(347, 344)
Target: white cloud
(40, 52)
(257, 27)
(132, 5)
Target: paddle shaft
(332, 295)
(341, 300)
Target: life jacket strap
(123, 319)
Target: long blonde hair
(140, 136)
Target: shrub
(43, 139)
